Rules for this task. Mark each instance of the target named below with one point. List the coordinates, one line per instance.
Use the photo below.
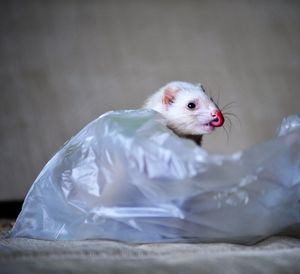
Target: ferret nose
(218, 119)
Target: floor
(20, 255)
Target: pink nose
(218, 119)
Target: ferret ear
(169, 96)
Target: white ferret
(189, 111)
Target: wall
(63, 63)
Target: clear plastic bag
(126, 176)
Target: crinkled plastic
(126, 176)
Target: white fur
(180, 118)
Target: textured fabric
(275, 255)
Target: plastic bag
(126, 176)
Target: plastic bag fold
(126, 176)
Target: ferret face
(187, 108)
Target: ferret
(189, 111)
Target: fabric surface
(274, 255)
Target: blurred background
(63, 63)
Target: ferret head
(187, 108)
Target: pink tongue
(218, 120)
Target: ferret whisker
(208, 90)
(228, 120)
(227, 134)
(227, 124)
(227, 106)
(218, 98)
(233, 115)
(230, 125)
(211, 95)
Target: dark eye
(191, 105)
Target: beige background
(63, 63)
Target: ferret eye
(191, 105)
